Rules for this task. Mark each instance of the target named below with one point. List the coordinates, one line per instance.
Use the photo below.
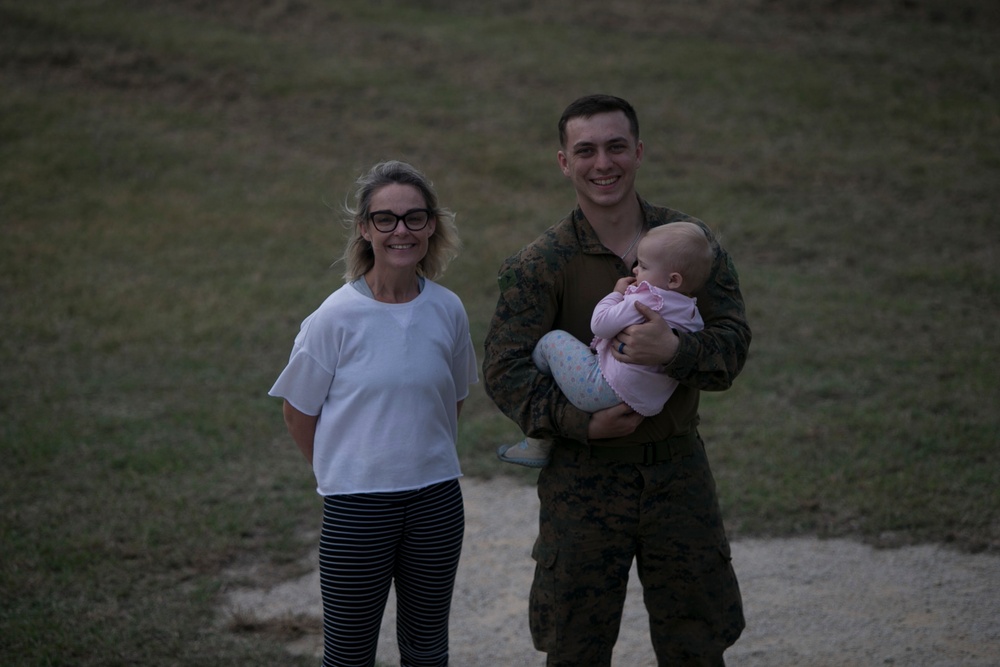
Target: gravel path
(808, 603)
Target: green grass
(171, 175)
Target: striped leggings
(372, 540)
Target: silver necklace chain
(632, 244)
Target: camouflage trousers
(595, 518)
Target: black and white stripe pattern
(369, 541)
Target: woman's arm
(302, 428)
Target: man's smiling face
(601, 158)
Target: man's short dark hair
(591, 105)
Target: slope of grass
(171, 175)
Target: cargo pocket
(725, 551)
(729, 623)
(542, 601)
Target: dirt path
(809, 603)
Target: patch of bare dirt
(808, 602)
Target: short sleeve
(465, 368)
(304, 383)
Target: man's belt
(672, 448)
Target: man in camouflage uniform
(618, 486)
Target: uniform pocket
(724, 549)
(542, 601)
(544, 554)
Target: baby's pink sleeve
(613, 313)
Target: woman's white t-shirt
(385, 380)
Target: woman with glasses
(372, 393)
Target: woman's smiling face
(401, 248)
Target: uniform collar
(587, 237)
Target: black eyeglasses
(415, 219)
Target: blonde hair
(442, 246)
(685, 248)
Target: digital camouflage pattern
(554, 283)
(596, 516)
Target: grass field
(171, 177)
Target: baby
(673, 262)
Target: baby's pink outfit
(644, 388)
